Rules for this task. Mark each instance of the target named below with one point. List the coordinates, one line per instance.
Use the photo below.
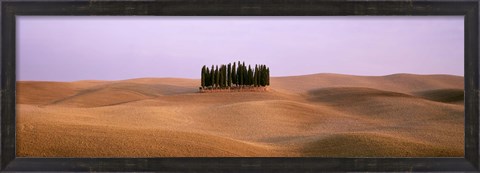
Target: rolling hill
(328, 115)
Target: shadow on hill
(349, 94)
(387, 105)
(449, 95)
(112, 93)
(375, 145)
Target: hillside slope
(330, 115)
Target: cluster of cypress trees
(236, 75)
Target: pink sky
(111, 47)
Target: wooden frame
(12, 8)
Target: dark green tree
(250, 75)
(220, 70)
(245, 74)
(229, 75)
(212, 76)
(255, 76)
(217, 77)
(203, 77)
(264, 75)
(268, 76)
(225, 76)
(207, 77)
(259, 75)
(240, 74)
(234, 74)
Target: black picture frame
(12, 8)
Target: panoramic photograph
(171, 86)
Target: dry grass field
(328, 115)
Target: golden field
(326, 115)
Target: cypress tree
(237, 74)
(203, 77)
(224, 75)
(245, 74)
(234, 74)
(249, 76)
(222, 78)
(220, 70)
(240, 74)
(207, 77)
(263, 75)
(268, 76)
(255, 77)
(260, 77)
(212, 77)
(229, 75)
(239, 79)
(252, 77)
(217, 77)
